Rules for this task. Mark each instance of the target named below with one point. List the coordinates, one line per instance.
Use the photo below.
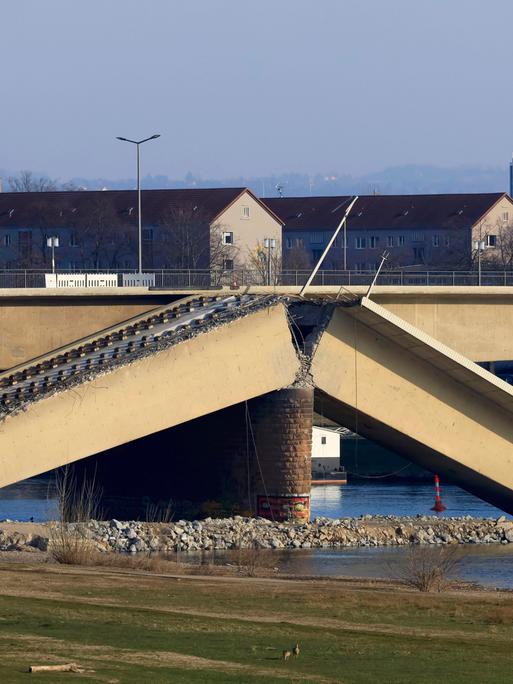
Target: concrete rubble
(237, 532)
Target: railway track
(116, 346)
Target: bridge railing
(193, 279)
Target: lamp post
(479, 246)
(269, 243)
(138, 143)
(52, 242)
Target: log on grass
(69, 667)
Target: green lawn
(125, 626)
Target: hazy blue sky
(254, 87)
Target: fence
(212, 279)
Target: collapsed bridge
(232, 381)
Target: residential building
(182, 229)
(424, 231)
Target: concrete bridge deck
(372, 371)
(475, 321)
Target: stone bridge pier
(252, 458)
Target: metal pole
(333, 238)
(384, 257)
(53, 255)
(269, 261)
(345, 245)
(139, 217)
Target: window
(7, 240)
(360, 265)
(447, 241)
(147, 234)
(491, 241)
(418, 254)
(505, 216)
(316, 253)
(227, 238)
(300, 242)
(360, 243)
(373, 241)
(436, 240)
(73, 240)
(390, 241)
(323, 440)
(418, 237)
(246, 212)
(228, 264)
(289, 243)
(400, 240)
(317, 237)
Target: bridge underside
(372, 372)
(393, 384)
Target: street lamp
(138, 143)
(52, 242)
(269, 243)
(479, 246)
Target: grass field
(129, 626)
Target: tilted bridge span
(256, 364)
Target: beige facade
(495, 230)
(250, 224)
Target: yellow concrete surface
(30, 327)
(411, 397)
(475, 321)
(229, 364)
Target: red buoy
(438, 507)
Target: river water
(490, 565)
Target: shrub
(429, 568)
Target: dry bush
(253, 560)
(157, 563)
(78, 503)
(159, 512)
(429, 568)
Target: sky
(239, 88)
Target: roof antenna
(279, 189)
(333, 238)
(384, 257)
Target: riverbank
(237, 532)
(132, 626)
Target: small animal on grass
(296, 650)
(286, 654)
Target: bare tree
(264, 263)
(102, 237)
(25, 181)
(186, 240)
(296, 258)
(183, 239)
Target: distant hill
(395, 180)
(412, 179)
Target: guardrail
(190, 279)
